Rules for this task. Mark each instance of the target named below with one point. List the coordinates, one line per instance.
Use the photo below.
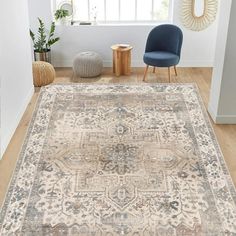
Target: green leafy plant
(61, 13)
(43, 41)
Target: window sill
(116, 24)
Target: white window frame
(122, 22)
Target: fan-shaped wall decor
(194, 21)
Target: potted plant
(42, 44)
(61, 16)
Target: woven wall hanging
(198, 22)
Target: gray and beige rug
(113, 160)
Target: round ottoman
(87, 64)
(43, 73)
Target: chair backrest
(165, 37)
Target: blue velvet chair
(163, 48)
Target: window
(121, 11)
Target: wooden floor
(226, 134)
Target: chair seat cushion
(160, 59)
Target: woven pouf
(43, 73)
(87, 65)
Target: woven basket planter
(43, 73)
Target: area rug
(109, 160)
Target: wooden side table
(121, 60)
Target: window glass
(97, 10)
(144, 10)
(81, 10)
(123, 11)
(127, 10)
(112, 10)
(161, 10)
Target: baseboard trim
(222, 119)
(212, 113)
(136, 63)
(226, 120)
(189, 63)
(6, 140)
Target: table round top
(120, 47)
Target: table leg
(118, 63)
(126, 62)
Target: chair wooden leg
(145, 73)
(176, 71)
(154, 69)
(169, 74)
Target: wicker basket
(43, 73)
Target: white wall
(222, 105)
(42, 9)
(16, 66)
(198, 47)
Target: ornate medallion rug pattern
(107, 160)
